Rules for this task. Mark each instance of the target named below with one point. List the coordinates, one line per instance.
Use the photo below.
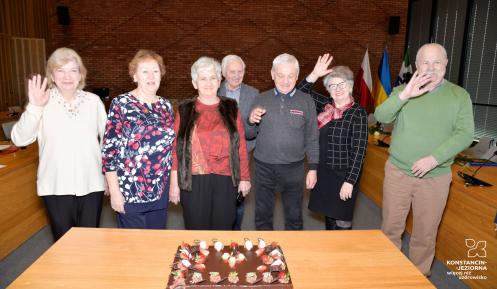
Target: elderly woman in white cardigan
(68, 124)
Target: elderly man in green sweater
(433, 122)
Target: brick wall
(108, 33)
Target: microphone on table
(471, 180)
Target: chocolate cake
(201, 266)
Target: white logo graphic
(476, 249)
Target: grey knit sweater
(288, 130)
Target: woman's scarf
(331, 112)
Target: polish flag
(364, 84)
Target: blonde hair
(60, 57)
(143, 55)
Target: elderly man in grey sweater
(284, 121)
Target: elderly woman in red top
(210, 160)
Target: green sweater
(438, 123)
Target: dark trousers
(237, 224)
(240, 207)
(290, 179)
(156, 219)
(67, 211)
(211, 204)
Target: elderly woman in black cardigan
(342, 144)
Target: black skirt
(325, 197)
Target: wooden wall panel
(27, 18)
(6, 89)
(20, 19)
(28, 58)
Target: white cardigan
(69, 141)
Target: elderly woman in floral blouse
(137, 147)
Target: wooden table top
(18, 159)
(119, 258)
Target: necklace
(71, 108)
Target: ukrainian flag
(383, 84)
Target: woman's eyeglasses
(340, 85)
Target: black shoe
(343, 228)
(330, 223)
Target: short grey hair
(286, 58)
(342, 72)
(205, 63)
(228, 59)
(442, 49)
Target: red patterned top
(211, 144)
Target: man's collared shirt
(290, 94)
(233, 94)
(283, 96)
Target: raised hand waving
(37, 91)
(321, 67)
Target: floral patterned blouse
(138, 145)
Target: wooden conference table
(21, 211)
(119, 258)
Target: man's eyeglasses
(340, 85)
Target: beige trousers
(428, 197)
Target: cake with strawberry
(232, 266)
